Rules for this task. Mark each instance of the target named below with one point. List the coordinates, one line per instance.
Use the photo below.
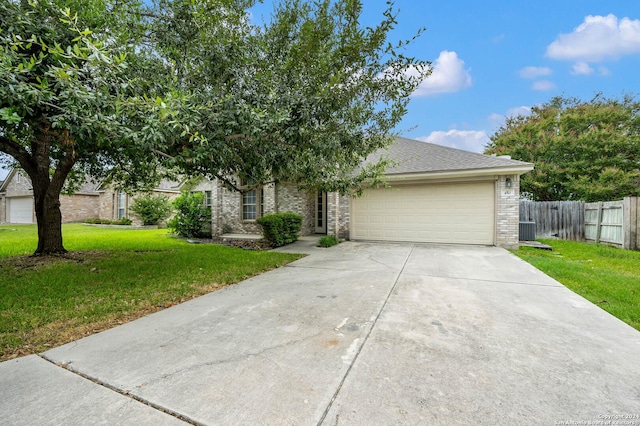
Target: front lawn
(606, 276)
(110, 276)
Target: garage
(460, 213)
(20, 209)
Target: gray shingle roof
(415, 156)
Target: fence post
(630, 224)
(599, 222)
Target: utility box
(527, 231)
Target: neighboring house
(115, 204)
(91, 201)
(16, 201)
(435, 194)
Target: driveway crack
(366, 338)
(122, 392)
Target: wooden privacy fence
(560, 219)
(604, 222)
(612, 222)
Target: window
(252, 206)
(207, 199)
(122, 198)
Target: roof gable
(414, 156)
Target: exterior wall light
(508, 183)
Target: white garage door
(20, 210)
(461, 213)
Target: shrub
(122, 221)
(96, 221)
(191, 217)
(280, 228)
(151, 209)
(328, 241)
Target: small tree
(191, 215)
(152, 209)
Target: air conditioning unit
(527, 231)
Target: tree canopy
(582, 150)
(304, 98)
(126, 91)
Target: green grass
(606, 276)
(111, 276)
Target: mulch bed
(243, 244)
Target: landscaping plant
(328, 241)
(280, 228)
(192, 216)
(152, 209)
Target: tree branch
(18, 152)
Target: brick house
(92, 200)
(16, 201)
(113, 204)
(435, 194)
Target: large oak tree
(70, 99)
(120, 90)
(582, 150)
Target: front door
(321, 213)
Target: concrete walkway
(358, 334)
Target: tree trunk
(49, 218)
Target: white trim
(460, 173)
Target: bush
(96, 221)
(122, 221)
(280, 228)
(191, 217)
(151, 209)
(328, 241)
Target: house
(92, 200)
(115, 204)
(16, 201)
(435, 194)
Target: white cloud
(543, 85)
(604, 71)
(581, 68)
(524, 111)
(469, 140)
(534, 72)
(597, 39)
(498, 120)
(448, 76)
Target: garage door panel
(20, 209)
(444, 213)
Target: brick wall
(507, 211)
(338, 215)
(290, 199)
(106, 207)
(19, 185)
(77, 208)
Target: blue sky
(495, 58)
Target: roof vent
(508, 157)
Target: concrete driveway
(358, 334)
